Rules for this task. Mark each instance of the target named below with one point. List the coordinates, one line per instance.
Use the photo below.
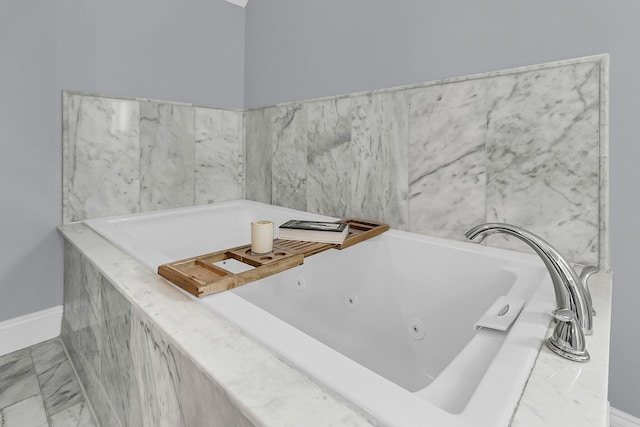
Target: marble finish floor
(38, 388)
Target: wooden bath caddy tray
(200, 276)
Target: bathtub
(387, 325)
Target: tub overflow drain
(416, 329)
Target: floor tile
(26, 413)
(47, 354)
(12, 357)
(60, 388)
(17, 379)
(77, 415)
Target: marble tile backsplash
(526, 146)
(126, 156)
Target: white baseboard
(617, 418)
(24, 331)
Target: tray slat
(199, 276)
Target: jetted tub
(388, 324)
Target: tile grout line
(84, 392)
(44, 406)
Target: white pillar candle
(261, 237)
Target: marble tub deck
(268, 392)
(38, 388)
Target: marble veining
(115, 356)
(254, 387)
(58, 383)
(275, 394)
(47, 354)
(436, 157)
(542, 152)
(102, 157)
(60, 388)
(218, 155)
(527, 146)
(447, 158)
(125, 156)
(168, 389)
(47, 401)
(329, 156)
(105, 415)
(82, 312)
(78, 415)
(17, 378)
(167, 156)
(289, 164)
(380, 143)
(259, 156)
(28, 412)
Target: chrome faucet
(575, 311)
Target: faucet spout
(570, 292)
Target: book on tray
(314, 231)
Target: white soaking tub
(388, 324)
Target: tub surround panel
(82, 312)
(243, 383)
(167, 156)
(259, 155)
(168, 389)
(96, 328)
(100, 403)
(125, 156)
(141, 378)
(447, 170)
(115, 350)
(218, 155)
(102, 175)
(166, 340)
(543, 158)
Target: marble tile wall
(132, 373)
(524, 146)
(124, 156)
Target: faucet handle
(567, 339)
(586, 272)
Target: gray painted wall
(191, 51)
(30, 250)
(299, 50)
